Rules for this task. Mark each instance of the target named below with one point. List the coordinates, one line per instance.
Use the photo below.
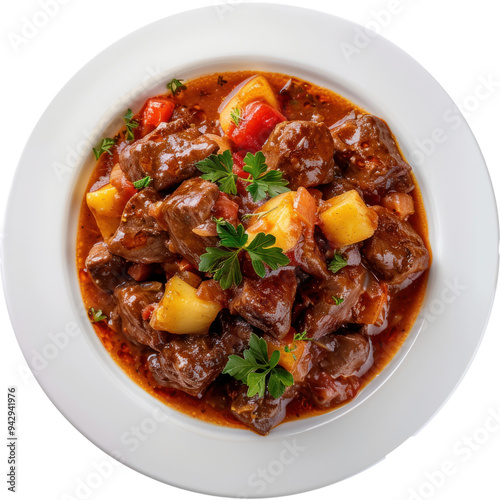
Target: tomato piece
(124, 187)
(147, 312)
(239, 163)
(139, 271)
(256, 124)
(226, 208)
(155, 111)
(185, 265)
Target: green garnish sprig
(223, 261)
(259, 371)
(130, 125)
(261, 182)
(105, 146)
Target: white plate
(39, 264)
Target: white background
(459, 44)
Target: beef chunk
(192, 362)
(303, 151)
(132, 299)
(339, 186)
(266, 303)
(324, 316)
(260, 414)
(343, 355)
(309, 257)
(168, 154)
(139, 238)
(106, 270)
(395, 252)
(326, 390)
(189, 206)
(369, 156)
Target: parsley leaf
(236, 116)
(256, 369)
(175, 86)
(264, 181)
(301, 336)
(130, 125)
(224, 263)
(337, 300)
(337, 263)
(142, 183)
(261, 251)
(96, 316)
(106, 145)
(219, 168)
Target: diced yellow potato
(256, 88)
(345, 219)
(181, 311)
(282, 221)
(107, 207)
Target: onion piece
(234, 92)
(222, 142)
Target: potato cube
(345, 219)
(107, 207)
(181, 311)
(282, 221)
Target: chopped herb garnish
(96, 316)
(337, 300)
(130, 125)
(175, 86)
(262, 182)
(224, 263)
(236, 116)
(337, 263)
(142, 183)
(298, 336)
(259, 215)
(106, 145)
(221, 81)
(257, 370)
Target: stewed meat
(139, 238)
(395, 252)
(266, 303)
(106, 270)
(168, 154)
(260, 414)
(343, 355)
(192, 362)
(369, 156)
(303, 151)
(189, 206)
(133, 299)
(332, 300)
(338, 359)
(327, 390)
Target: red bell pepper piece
(257, 122)
(155, 111)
